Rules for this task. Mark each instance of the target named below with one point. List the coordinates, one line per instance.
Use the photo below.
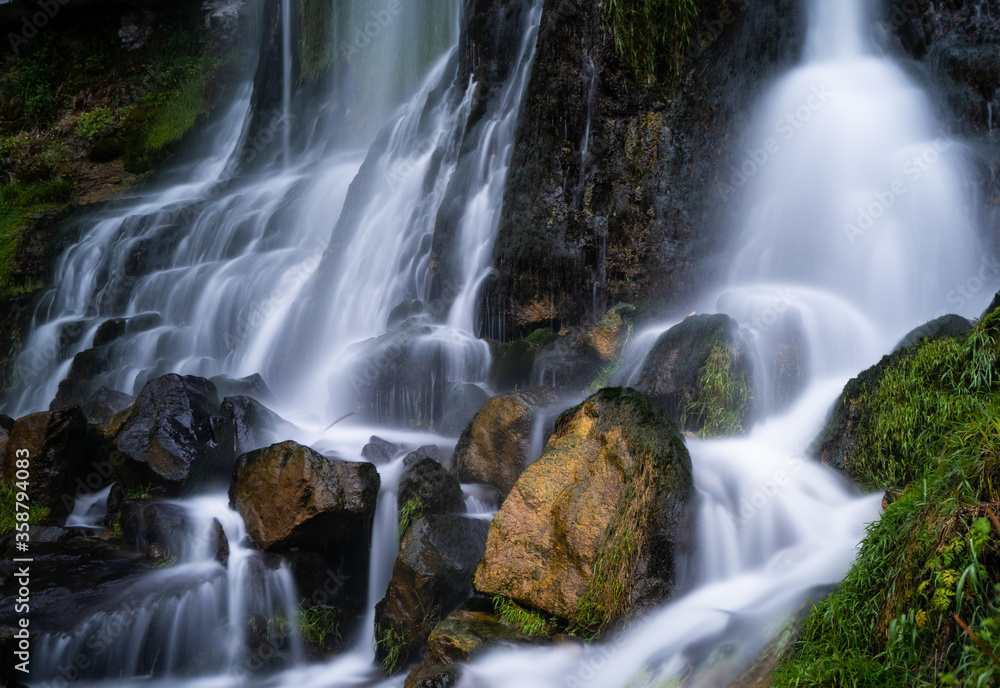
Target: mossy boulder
(700, 372)
(176, 436)
(431, 576)
(884, 419)
(590, 531)
(496, 446)
(60, 451)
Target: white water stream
(854, 214)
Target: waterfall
(313, 263)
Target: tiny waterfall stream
(853, 214)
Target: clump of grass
(394, 644)
(934, 557)
(723, 396)
(651, 35)
(8, 510)
(527, 621)
(605, 599)
(410, 513)
(317, 623)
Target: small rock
(945, 326)
(378, 451)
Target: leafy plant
(410, 513)
(393, 643)
(8, 510)
(96, 124)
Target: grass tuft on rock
(651, 35)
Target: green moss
(514, 368)
(934, 553)
(527, 621)
(8, 510)
(651, 35)
(19, 202)
(315, 38)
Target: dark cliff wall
(952, 47)
(639, 216)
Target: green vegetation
(8, 519)
(409, 514)
(20, 203)
(315, 38)
(318, 623)
(526, 621)
(931, 563)
(394, 643)
(651, 35)
(723, 397)
(514, 367)
(95, 124)
(605, 599)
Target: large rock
(314, 511)
(496, 446)
(289, 495)
(431, 576)
(605, 502)
(59, 452)
(945, 326)
(700, 371)
(176, 436)
(427, 488)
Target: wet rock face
(431, 576)
(59, 451)
(496, 446)
(628, 211)
(692, 369)
(605, 502)
(176, 436)
(952, 45)
(427, 488)
(314, 511)
(289, 495)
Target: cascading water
(853, 216)
(195, 613)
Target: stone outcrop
(605, 503)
